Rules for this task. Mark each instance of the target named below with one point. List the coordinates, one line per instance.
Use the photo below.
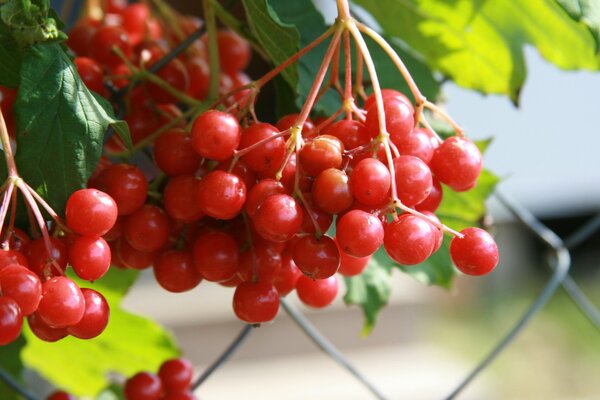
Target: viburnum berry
(386, 93)
(316, 258)
(126, 184)
(313, 214)
(433, 201)
(352, 133)
(399, 119)
(176, 374)
(21, 285)
(90, 257)
(476, 253)
(457, 162)
(287, 276)
(259, 192)
(287, 122)
(321, 153)
(60, 395)
(415, 143)
(370, 182)
(43, 260)
(221, 195)
(413, 180)
(216, 255)
(317, 293)
(8, 257)
(331, 191)
(62, 303)
(147, 229)
(352, 266)
(174, 154)
(134, 21)
(132, 257)
(409, 240)
(91, 74)
(256, 303)
(143, 386)
(216, 135)
(265, 158)
(234, 51)
(11, 320)
(95, 317)
(264, 261)
(103, 42)
(278, 218)
(359, 233)
(91, 212)
(175, 271)
(43, 331)
(185, 395)
(179, 201)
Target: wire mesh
(558, 260)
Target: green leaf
(129, 344)
(60, 125)
(10, 58)
(31, 22)
(479, 44)
(587, 12)
(10, 361)
(370, 290)
(280, 40)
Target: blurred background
(428, 338)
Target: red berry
(147, 229)
(331, 191)
(265, 260)
(174, 270)
(413, 180)
(91, 74)
(174, 154)
(286, 277)
(21, 285)
(457, 162)
(11, 320)
(409, 240)
(176, 374)
(185, 395)
(352, 266)
(179, 201)
(90, 257)
(131, 257)
(143, 386)
(316, 258)
(359, 233)
(60, 395)
(255, 303)
(476, 253)
(45, 261)
(216, 256)
(134, 21)
(351, 133)
(321, 153)
(267, 157)
(317, 293)
(103, 42)
(174, 74)
(62, 303)
(43, 331)
(433, 201)
(259, 192)
(221, 195)
(370, 182)
(95, 317)
(216, 135)
(278, 218)
(416, 143)
(8, 257)
(91, 212)
(399, 118)
(385, 93)
(234, 51)
(126, 184)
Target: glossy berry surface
(43, 331)
(62, 303)
(476, 253)
(457, 162)
(409, 240)
(359, 233)
(179, 201)
(11, 320)
(413, 180)
(265, 158)
(255, 302)
(316, 258)
(221, 195)
(174, 270)
(21, 285)
(216, 256)
(317, 293)
(216, 135)
(143, 386)
(102, 45)
(370, 182)
(91, 212)
(278, 218)
(90, 257)
(176, 374)
(126, 184)
(174, 154)
(95, 318)
(147, 229)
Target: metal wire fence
(557, 258)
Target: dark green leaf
(586, 11)
(128, 345)
(371, 290)
(280, 40)
(10, 361)
(60, 125)
(10, 58)
(479, 44)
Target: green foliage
(60, 125)
(479, 44)
(31, 22)
(586, 11)
(129, 344)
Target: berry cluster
(32, 281)
(173, 382)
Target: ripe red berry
(90, 257)
(359, 233)
(179, 201)
(174, 270)
(44, 261)
(316, 258)
(278, 218)
(134, 21)
(11, 320)
(91, 74)
(259, 192)
(399, 119)
(267, 157)
(352, 266)
(457, 162)
(216, 135)
(370, 182)
(216, 256)
(62, 303)
(321, 153)
(126, 184)
(132, 258)
(433, 201)
(221, 195)
(409, 240)
(317, 293)
(256, 303)
(176, 374)
(147, 229)
(21, 285)
(143, 386)
(265, 260)
(286, 277)
(386, 93)
(415, 143)
(174, 74)
(185, 395)
(60, 395)
(331, 191)
(43, 331)
(95, 317)
(234, 51)
(351, 133)
(174, 154)
(413, 180)
(103, 42)
(91, 212)
(8, 257)
(476, 253)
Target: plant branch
(213, 49)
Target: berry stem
(11, 223)
(46, 207)
(436, 109)
(8, 154)
(213, 49)
(6, 200)
(348, 99)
